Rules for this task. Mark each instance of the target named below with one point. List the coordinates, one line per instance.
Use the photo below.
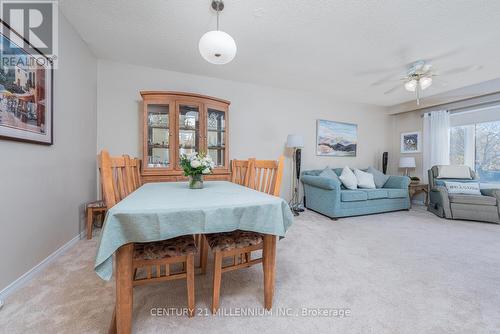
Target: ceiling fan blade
(386, 79)
(393, 89)
(446, 54)
(462, 69)
(380, 71)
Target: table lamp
(296, 142)
(407, 162)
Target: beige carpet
(401, 272)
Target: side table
(418, 188)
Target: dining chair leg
(190, 283)
(269, 266)
(217, 279)
(90, 221)
(112, 326)
(124, 289)
(203, 254)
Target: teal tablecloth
(160, 211)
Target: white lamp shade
(411, 85)
(294, 141)
(217, 47)
(425, 82)
(407, 162)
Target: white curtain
(436, 139)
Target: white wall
(260, 117)
(43, 188)
(412, 121)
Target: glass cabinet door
(189, 128)
(158, 136)
(216, 136)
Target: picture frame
(336, 139)
(26, 91)
(411, 142)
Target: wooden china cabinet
(175, 123)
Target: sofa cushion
(442, 182)
(365, 180)
(397, 193)
(472, 199)
(353, 195)
(466, 188)
(376, 193)
(329, 173)
(379, 177)
(348, 178)
(453, 172)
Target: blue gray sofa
(328, 197)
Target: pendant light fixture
(217, 47)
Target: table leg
(124, 289)
(269, 266)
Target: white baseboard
(27, 276)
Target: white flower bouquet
(196, 165)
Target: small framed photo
(411, 142)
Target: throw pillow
(328, 173)
(348, 178)
(453, 172)
(365, 180)
(468, 188)
(378, 177)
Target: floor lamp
(295, 142)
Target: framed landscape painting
(410, 142)
(336, 139)
(25, 91)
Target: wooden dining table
(160, 211)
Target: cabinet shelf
(158, 146)
(158, 126)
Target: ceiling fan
(419, 76)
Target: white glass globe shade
(411, 85)
(425, 82)
(217, 47)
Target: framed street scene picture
(25, 90)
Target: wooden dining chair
(264, 176)
(127, 175)
(239, 175)
(151, 260)
(239, 171)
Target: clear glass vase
(195, 181)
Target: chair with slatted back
(152, 261)
(99, 208)
(264, 176)
(126, 172)
(133, 173)
(239, 175)
(239, 172)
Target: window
(478, 146)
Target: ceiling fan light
(411, 85)
(425, 82)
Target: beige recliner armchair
(484, 207)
